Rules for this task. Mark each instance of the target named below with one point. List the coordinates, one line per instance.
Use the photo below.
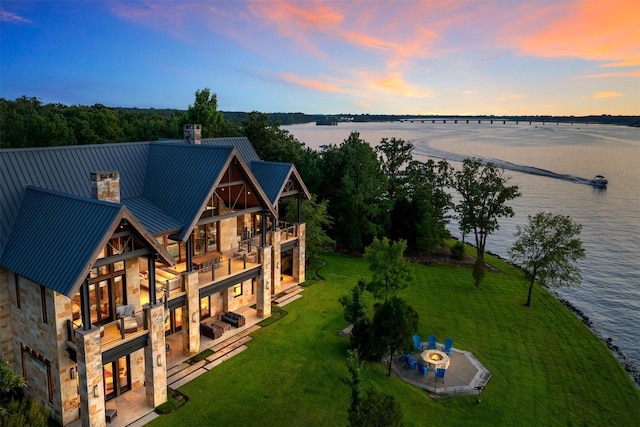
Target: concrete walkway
(465, 375)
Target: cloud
(608, 75)
(630, 63)
(6, 16)
(310, 83)
(606, 94)
(588, 29)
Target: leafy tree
(430, 202)
(354, 184)
(395, 155)
(390, 269)
(355, 308)
(204, 111)
(484, 195)
(9, 380)
(24, 412)
(316, 217)
(546, 249)
(394, 324)
(371, 407)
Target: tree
(354, 184)
(316, 217)
(390, 269)
(355, 308)
(204, 111)
(484, 195)
(546, 249)
(395, 155)
(9, 380)
(394, 324)
(371, 407)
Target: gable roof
(57, 237)
(242, 144)
(273, 177)
(68, 170)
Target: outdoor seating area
(464, 374)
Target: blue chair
(447, 346)
(431, 344)
(440, 374)
(411, 363)
(416, 343)
(423, 369)
(404, 356)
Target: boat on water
(599, 181)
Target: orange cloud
(606, 94)
(630, 63)
(594, 30)
(310, 83)
(618, 74)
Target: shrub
(457, 251)
(24, 412)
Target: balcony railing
(115, 332)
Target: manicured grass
(547, 367)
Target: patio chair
(447, 346)
(440, 374)
(404, 356)
(431, 344)
(417, 344)
(411, 363)
(423, 369)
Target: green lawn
(547, 367)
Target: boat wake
(503, 164)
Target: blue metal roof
(56, 235)
(180, 177)
(242, 144)
(68, 170)
(272, 177)
(154, 219)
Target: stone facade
(299, 255)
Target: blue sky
(387, 57)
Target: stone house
(108, 250)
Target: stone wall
(7, 300)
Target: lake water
(551, 163)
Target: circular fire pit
(436, 358)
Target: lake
(552, 164)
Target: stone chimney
(106, 186)
(193, 134)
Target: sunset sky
(330, 57)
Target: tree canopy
(546, 249)
(389, 267)
(484, 194)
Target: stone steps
(288, 296)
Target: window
(17, 290)
(205, 307)
(29, 356)
(43, 300)
(237, 290)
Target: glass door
(117, 377)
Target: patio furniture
(233, 319)
(440, 374)
(208, 328)
(110, 414)
(411, 363)
(447, 346)
(404, 356)
(431, 344)
(416, 343)
(128, 321)
(423, 369)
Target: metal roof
(242, 144)
(154, 219)
(272, 177)
(181, 176)
(66, 169)
(56, 235)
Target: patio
(465, 375)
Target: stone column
(276, 254)
(191, 328)
(263, 293)
(155, 357)
(90, 380)
(299, 255)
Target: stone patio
(465, 376)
